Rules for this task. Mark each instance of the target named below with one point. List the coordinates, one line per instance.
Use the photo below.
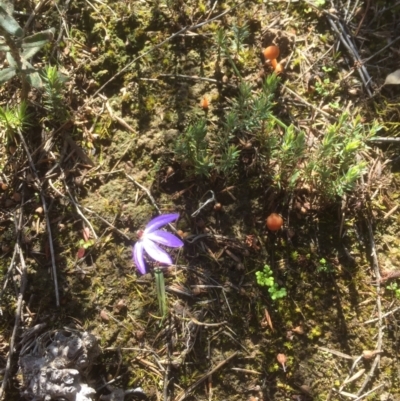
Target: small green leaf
(11, 60)
(6, 74)
(32, 44)
(35, 80)
(27, 67)
(9, 24)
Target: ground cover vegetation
(266, 136)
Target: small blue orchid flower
(150, 237)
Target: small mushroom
(274, 222)
(204, 103)
(272, 53)
(278, 69)
(281, 358)
(217, 207)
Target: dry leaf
(298, 330)
(86, 234)
(393, 78)
(267, 318)
(369, 354)
(17, 197)
(81, 253)
(104, 316)
(354, 377)
(120, 306)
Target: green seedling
(13, 119)
(395, 288)
(84, 243)
(324, 266)
(53, 99)
(193, 149)
(265, 278)
(334, 167)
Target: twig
(124, 124)
(18, 310)
(192, 77)
(115, 117)
(380, 139)
(90, 211)
(369, 392)
(337, 353)
(152, 200)
(252, 372)
(8, 274)
(46, 214)
(123, 235)
(381, 50)
(78, 210)
(345, 38)
(324, 113)
(34, 13)
(64, 23)
(383, 316)
(375, 267)
(363, 17)
(187, 392)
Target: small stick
(375, 267)
(153, 201)
(34, 13)
(369, 392)
(337, 353)
(193, 77)
(116, 118)
(381, 50)
(252, 372)
(8, 274)
(195, 321)
(324, 113)
(381, 139)
(383, 316)
(363, 17)
(124, 124)
(123, 235)
(18, 310)
(390, 212)
(187, 392)
(78, 210)
(347, 43)
(46, 214)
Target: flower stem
(160, 288)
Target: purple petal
(160, 221)
(138, 257)
(155, 252)
(165, 238)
